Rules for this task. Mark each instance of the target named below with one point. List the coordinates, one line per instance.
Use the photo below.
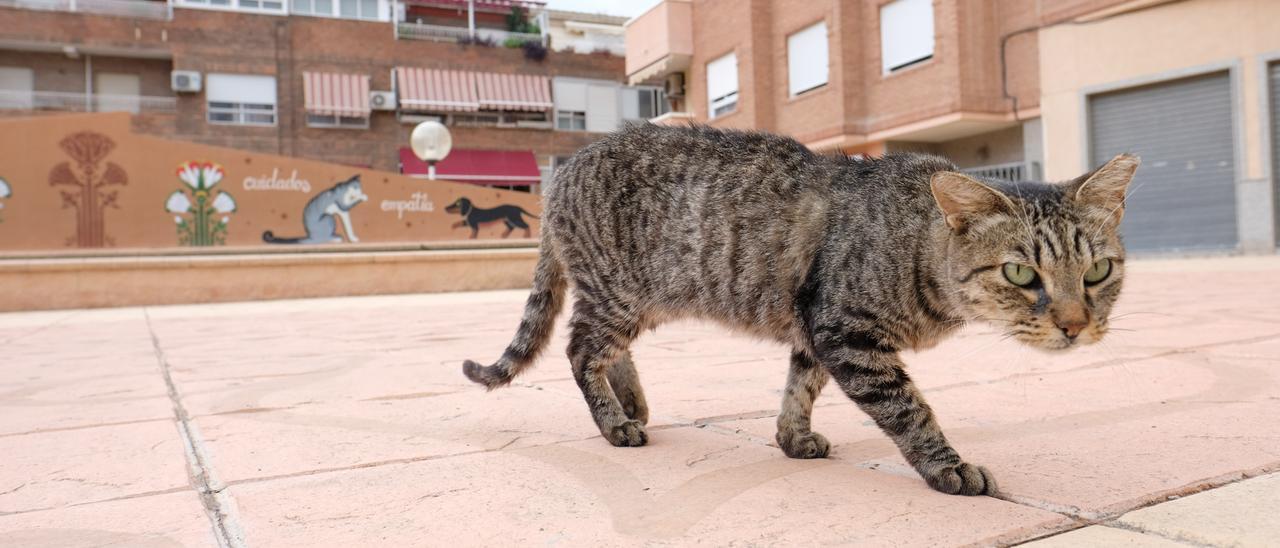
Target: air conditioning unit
(674, 85)
(382, 100)
(187, 81)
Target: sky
(626, 8)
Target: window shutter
(807, 65)
(569, 95)
(241, 88)
(602, 108)
(906, 32)
(722, 77)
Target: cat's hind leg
(626, 386)
(599, 339)
(804, 381)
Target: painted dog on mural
(475, 217)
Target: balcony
(660, 42)
(440, 33)
(82, 102)
(138, 9)
(463, 21)
(1013, 171)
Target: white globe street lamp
(431, 142)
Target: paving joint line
(1108, 518)
(1147, 532)
(217, 506)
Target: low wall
(62, 281)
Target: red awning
(514, 91)
(436, 90)
(481, 167)
(430, 90)
(336, 94)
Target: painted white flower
(178, 202)
(177, 220)
(189, 173)
(5, 191)
(224, 203)
(212, 174)
(225, 219)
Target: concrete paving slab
(1240, 514)
(688, 486)
(52, 469)
(160, 521)
(1103, 536)
(306, 438)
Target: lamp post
(431, 142)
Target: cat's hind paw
(962, 479)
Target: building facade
(1015, 89)
(339, 80)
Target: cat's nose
(1071, 327)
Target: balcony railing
(1013, 171)
(81, 102)
(441, 33)
(141, 9)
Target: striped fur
(849, 262)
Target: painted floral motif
(88, 181)
(200, 213)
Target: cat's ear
(964, 199)
(1104, 190)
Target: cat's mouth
(1055, 341)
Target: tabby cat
(848, 261)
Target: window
(807, 66)
(571, 120)
(571, 104)
(370, 10)
(241, 99)
(639, 104)
(267, 6)
(906, 33)
(16, 87)
(117, 92)
(722, 85)
(335, 121)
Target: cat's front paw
(804, 445)
(628, 434)
(962, 479)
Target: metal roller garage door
(1275, 144)
(1183, 197)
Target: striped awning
(336, 94)
(436, 90)
(514, 91)
(431, 90)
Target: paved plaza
(347, 422)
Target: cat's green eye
(1019, 274)
(1098, 272)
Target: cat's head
(1042, 261)
(350, 193)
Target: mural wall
(86, 181)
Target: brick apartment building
(339, 80)
(1019, 89)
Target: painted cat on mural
(5, 192)
(318, 217)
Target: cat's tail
(272, 239)
(527, 213)
(540, 311)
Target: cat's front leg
(346, 225)
(874, 378)
(804, 381)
